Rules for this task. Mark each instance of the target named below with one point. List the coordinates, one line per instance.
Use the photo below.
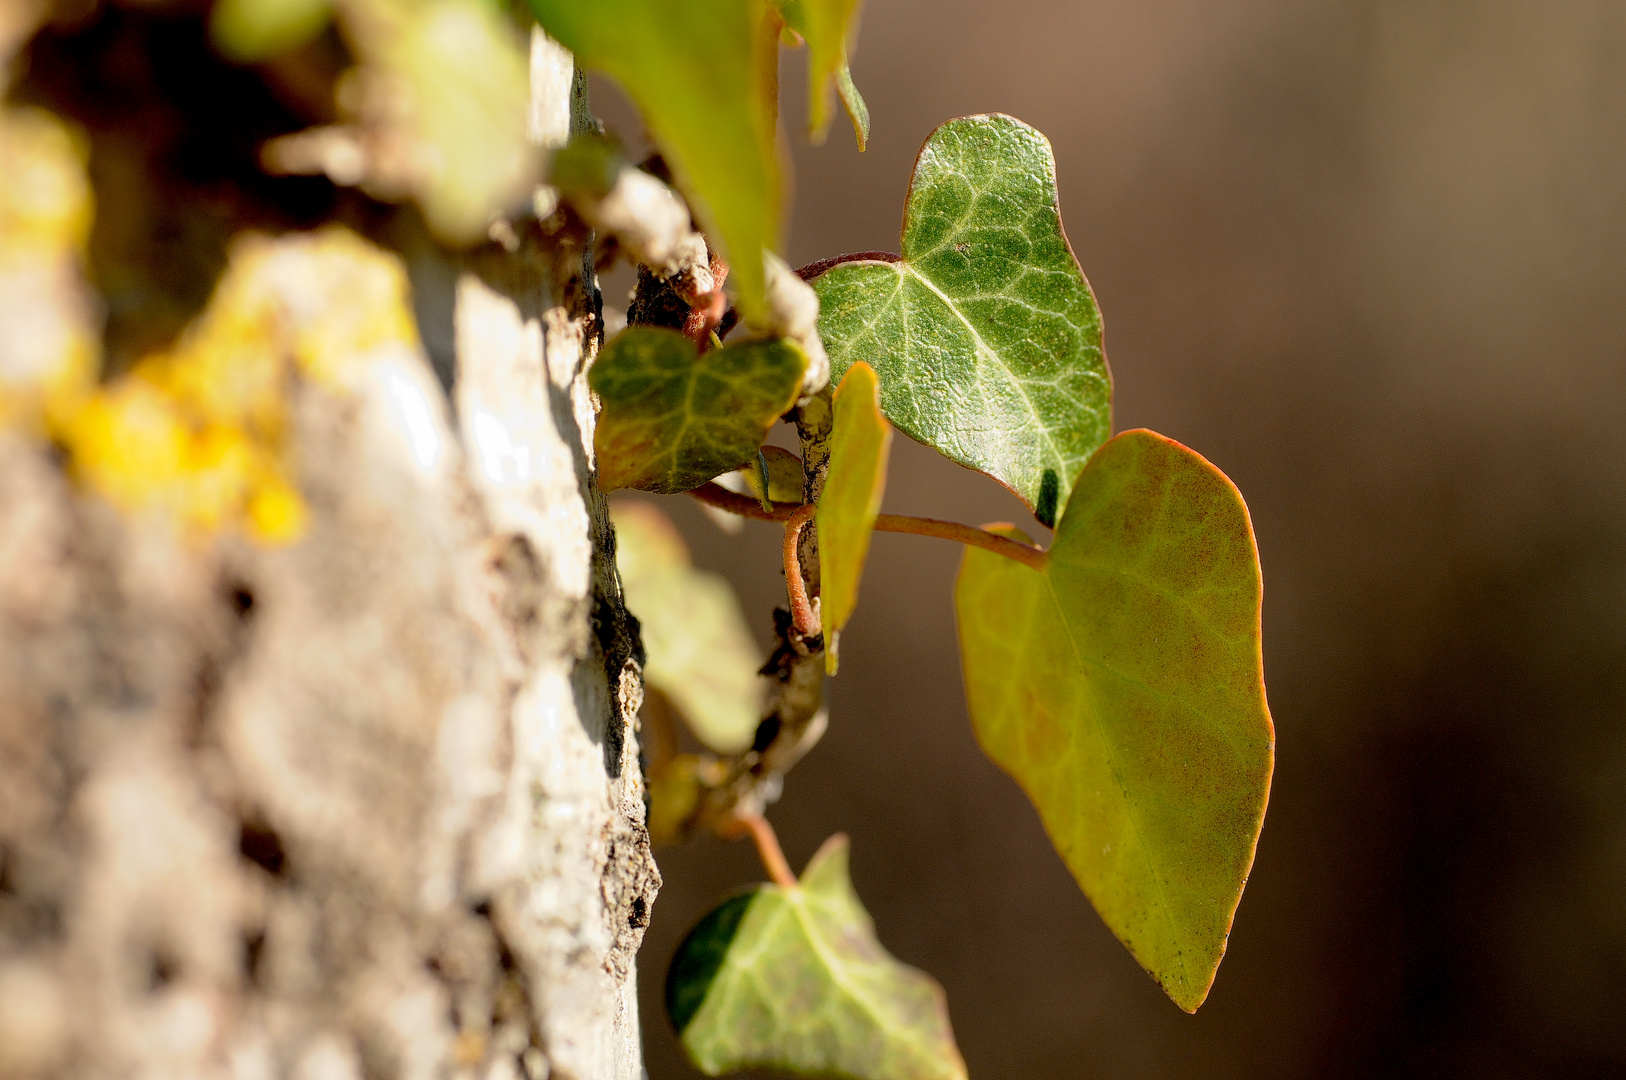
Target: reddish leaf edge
(814, 269)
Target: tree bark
(365, 805)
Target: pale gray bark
(366, 805)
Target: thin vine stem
(964, 534)
(801, 608)
(746, 506)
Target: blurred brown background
(1368, 256)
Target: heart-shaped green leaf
(985, 333)
(1123, 689)
(828, 26)
(859, 442)
(697, 649)
(704, 75)
(673, 417)
(794, 979)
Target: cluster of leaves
(1116, 675)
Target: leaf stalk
(744, 505)
(768, 849)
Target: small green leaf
(828, 27)
(784, 476)
(794, 979)
(252, 30)
(697, 649)
(1123, 689)
(985, 333)
(673, 418)
(859, 443)
(704, 75)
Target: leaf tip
(829, 864)
(853, 102)
(1188, 997)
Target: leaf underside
(859, 442)
(985, 333)
(704, 75)
(794, 979)
(698, 650)
(673, 418)
(1123, 689)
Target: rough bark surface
(368, 805)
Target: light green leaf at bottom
(1123, 689)
(794, 979)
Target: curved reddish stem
(801, 608)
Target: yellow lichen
(200, 432)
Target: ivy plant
(1115, 673)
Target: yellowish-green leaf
(673, 417)
(859, 443)
(698, 650)
(704, 74)
(251, 30)
(794, 979)
(1123, 689)
(829, 27)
